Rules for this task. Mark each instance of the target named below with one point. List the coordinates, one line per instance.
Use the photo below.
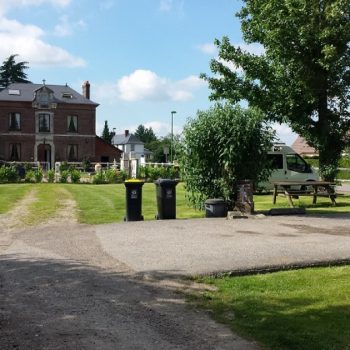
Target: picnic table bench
(315, 189)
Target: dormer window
(15, 92)
(44, 98)
(67, 95)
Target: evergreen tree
(106, 134)
(12, 72)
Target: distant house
(131, 145)
(303, 148)
(49, 123)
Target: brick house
(49, 123)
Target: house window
(132, 147)
(44, 122)
(72, 123)
(15, 121)
(15, 152)
(72, 153)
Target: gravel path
(61, 289)
(119, 286)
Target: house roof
(302, 147)
(22, 92)
(121, 139)
(108, 145)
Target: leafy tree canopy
(303, 76)
(12, 72)
(146, 135)
(222, 146)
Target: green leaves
(303, 77)
(224, 145)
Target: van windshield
(297, 164)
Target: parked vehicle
(288, 166)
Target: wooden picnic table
(304, 188)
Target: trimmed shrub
(99, 178)
(75, 176)
(8, 174)
(51, 175)
(64, 176)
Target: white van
(288, 166)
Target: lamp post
(172, 135)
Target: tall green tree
(12, 72)
(303, 76)
(106, 134)
(146, 135)
(221, 147)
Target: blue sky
(142, 57)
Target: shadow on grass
(58, 304)
(281, 321)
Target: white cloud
(147, 85)
(104, 93)
(66, 26)
(208, 48)
(7, 5)
(284, 133)
(26, 40)
(255, 48)
(163, 129)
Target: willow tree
(222, 146)
(302, 77)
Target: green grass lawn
(263, 202)
(99, 204)
(303, 309)
(10, 194)
(106, 203)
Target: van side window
(276, 161)
(296, 163)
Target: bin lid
(166, 182)
(215, 201)
(133, 182)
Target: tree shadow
(61, 304)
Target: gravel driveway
(70, 286)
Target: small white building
(134, 152)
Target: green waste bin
(166, 199)
(133, 200)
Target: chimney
(126, 133)
(86, 89)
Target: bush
(111, 176)
(64, 166)
(75, 176)
(51, 175)
(64, 176)
(222, 146)
(86, 165)
(30, 176)
(38, 175)
(99, 178)
(150, 173)
(8, 174)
